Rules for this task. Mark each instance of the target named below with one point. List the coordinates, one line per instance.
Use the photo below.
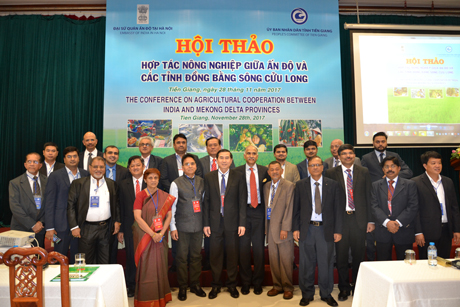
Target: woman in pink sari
(152, 212)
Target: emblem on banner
(142, 14)
(299, 16)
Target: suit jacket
(78, 202)
(291, 172)
(282, 207)
(370, 161)
(121, 173)
(169, 171)
(155, 162)
(303, 169)
(428, 219)
(57, 166)
(235, 201)
(404, 206)
(81, 156)
(263, 178)
(206, 165)
(22, 203)
(126, 197)
(56, 196)
(329, 162)
(362, 187)
(332, 205)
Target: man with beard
(395, 207)
(372, 161)
(290, 171)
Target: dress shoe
(214, 292)
(288, 295)
(182, 296)
(273, 292)
(245, 290)
(305, 301)
(258, 290)
(343, 295)
(198, 291)
(130, 292)
(330, 301)
(233, 292)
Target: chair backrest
(26, 275)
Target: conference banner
(247, 72)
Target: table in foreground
(105, 288)
(395, 283)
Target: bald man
(90, 142)
(334, 160)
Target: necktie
(273, 195)
(253, 186)
(381, 157)
(90, 158)
(317, 199)
(36, 186)
(351, 203)
(138, 187)
(110, 173)
(337, 162)
(222, 193)
(213, 166)
(391, 190)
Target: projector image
(16, 238)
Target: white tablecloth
(105, 288)
(395, 283)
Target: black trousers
(94, 242)
(255, 234)
(443, 244)
(189, 242)
(113, 252)
(67, 240)
(384, 250)
(352, 237)
(219, 238)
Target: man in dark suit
(438, 218)
(310, 149)
(224, 219)
(255, 177)
(208, 164)
(56, 196)
(372, 161)
(117, 173)
(26, 199)
(50, 153)
(90, 142)
(395, 207)
(127, 190)
(93, 212)
(357, 215)
(317, 223)
(146, 145)
(335, 159)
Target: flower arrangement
(455, 154)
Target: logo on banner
(142, 14)
(299, 16)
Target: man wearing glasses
(26, 199)
(145, 147)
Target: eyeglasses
(392, 166)
(190, 164)
(145, 145)
(314, 165)
(32, 162)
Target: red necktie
(138, 187)
(391, 190)
(253, 186)
(214, 166)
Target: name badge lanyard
(192, 183)
(37, 198)
(179, 162)
(98, 187)
(436, 190)
(51, 168)
(146, 166)
(77, 176)
(155, 204)
(391, 193)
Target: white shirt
(32, 182)
(179, 165)
(345, 177)
(220, 178)
(439, 190)
(71, 176)
(248, 181)
(103, 212)
(49, 168)
(336, 162)
(283, 166)
(377, 153)
(141, 180)
(316, 217)
(85, 158)
(146, 162)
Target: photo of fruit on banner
(159, 130)
(198, 134)
(294, 132)
(241, 136)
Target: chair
(26, 275)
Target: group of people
(332, 208)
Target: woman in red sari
(152, 212)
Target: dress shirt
(248, 181)
(345, 177)
(71, 176)
(85, 158)
(394, 185)
(179, 165)
(377, 153)
(316, 217)
(283, 166)
(337, 162)
(220, 178)
(103, 212)
(146, 162)
(272, 186)
(107, 171)
(173, 190)
(49, 168)
(439, 190)
(141, 179)
(32, 182)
